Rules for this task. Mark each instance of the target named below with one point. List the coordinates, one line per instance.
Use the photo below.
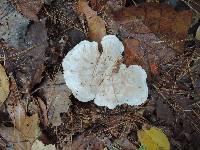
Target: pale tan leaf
(4, 85)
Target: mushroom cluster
(103, 77)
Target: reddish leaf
(163, 20)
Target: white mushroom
(102, 77)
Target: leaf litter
(39, 108)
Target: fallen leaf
(27, 126)
(57, 96)
(198, 34)
(14, 106)
(163, 21)
(144, 48)
(13, 25)
(28, 62)
(28, 8)
(38, 145)
(153, 139)
(4, 85)
(88, 142)
(30, 127)
(24, 137)
(101, 5)
(96, 25)
(124, 143)
(98, 5)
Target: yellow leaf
(153, 139)
(4, 85)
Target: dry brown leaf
(89, 143)
(96, 25)
(57, 96)
(143, 47)
(124, 144)
(14, 106)
(99, 5)
(23, 138)
(4, 85)
(163, 21)
(30, 127)
(29, 61)
(28, 8)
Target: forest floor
(38, 111)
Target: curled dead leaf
(96, 25)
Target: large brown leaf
(162, 20)
(143, 47)
(28, 62)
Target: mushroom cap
(102, 77)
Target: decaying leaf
(14, 106)
(97, 5)
(102, 77)
(13, 25)
(89, 143)
(163, 21)
(29, 60)
(27, 126)
(4, 85)
(57, 96)
(124, 144)
(30, 127)
(101, 5)
(28, 8)
(153, 139)
(24, 137)
(198, 34)
(142, 46)
(96, 25)
(38, 145)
